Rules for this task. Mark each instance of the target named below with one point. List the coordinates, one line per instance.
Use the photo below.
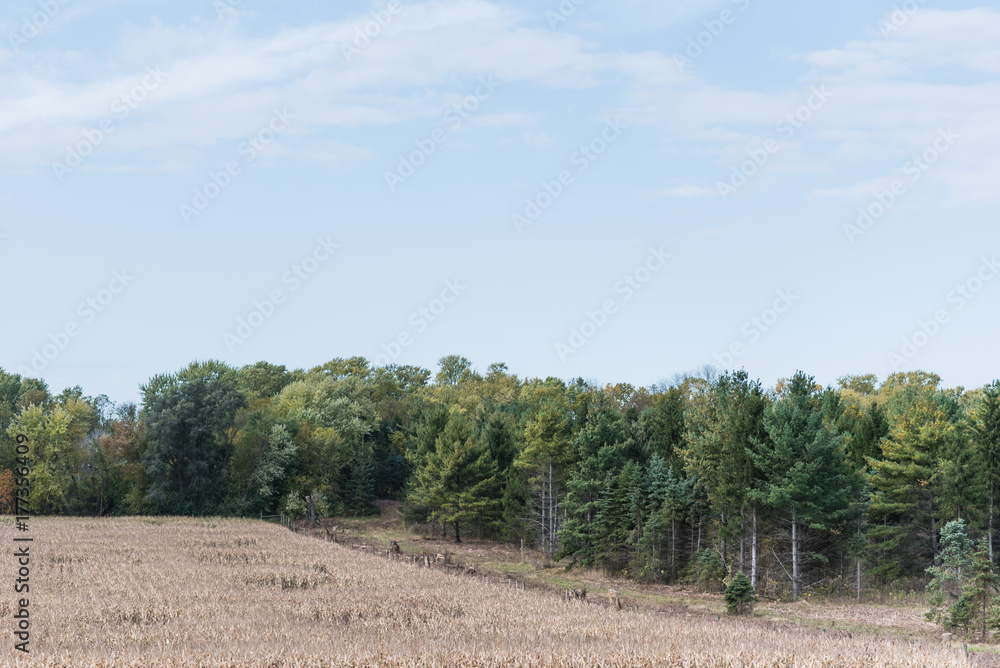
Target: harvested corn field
(148, 592)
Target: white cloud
(220, 84)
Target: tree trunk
(743, 535)
(795, 558)
(673, 550)
(857, 582)
(458, 539)
(722, 539)
(543, 525)
(753, 550)
(552, 515)
(934, 541)
(989, 527)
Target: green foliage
(964, 594)
(458, 482)
(693, 479)
(866, 437)
(804, 465)
(260, 463)
(949, 575)
(706, 570)
(740, 595)
(293, 505)
(189, 428)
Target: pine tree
(805, 468)
(458, 481)
(722, 426)
(907, 486)
(598, 455)
(867, 435)
(987, 434)
(614, 522)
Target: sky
(614, 191)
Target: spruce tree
(740, 595)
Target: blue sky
(502, 180)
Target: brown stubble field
(197, 592)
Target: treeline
(803, 488)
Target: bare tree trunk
(543, 525)
(857, 582)
(673, 550)
(795, 558)
(722, 539)
(753, 550)
(552, 515)
(989, 533)
(743, 535)
(934, 542)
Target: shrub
(740, 595)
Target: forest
(804, 488)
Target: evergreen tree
(542, 460)
(805, 468)
(907, 486)
(987, 435)
(458, 482)
(598, 455)
(740, 595)
(950, 574)
(723, 425)
(359, 496)
(866, 437)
